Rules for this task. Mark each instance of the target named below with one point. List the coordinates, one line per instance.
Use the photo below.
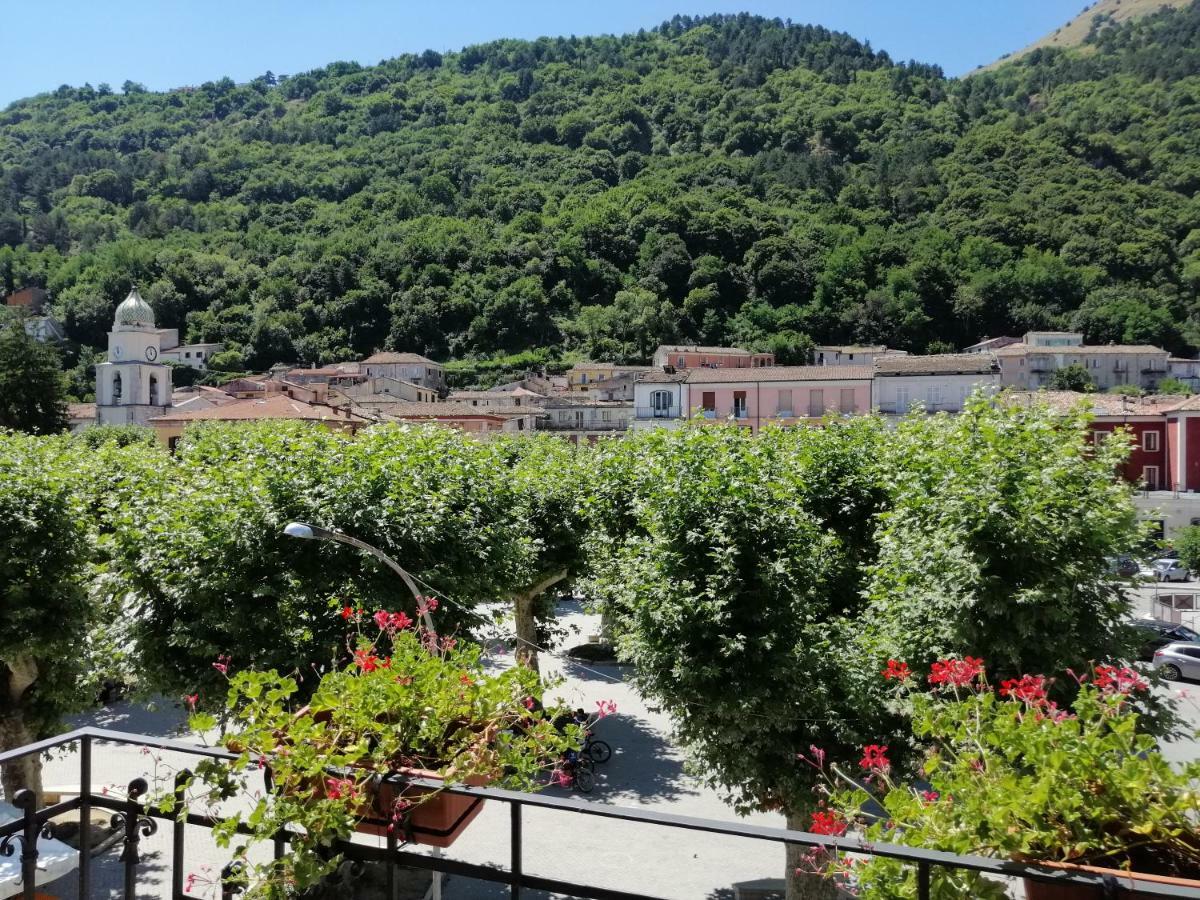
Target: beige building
(1030, 366)
(935, 383)
(589, 377)
(852, 355)
(411, 367)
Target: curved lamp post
(307, 532)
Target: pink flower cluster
(605, 708)
(829, 823)
(1029, 689)
(875, 758)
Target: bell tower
(133, 386)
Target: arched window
(154, 390)
(116, 388)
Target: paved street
(645, 771)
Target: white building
(134, 385)
(406, 367)
(852, 356)
(1185, 370)
(194, 355)
(660, 400)
(939, 382)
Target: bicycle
(575, 770)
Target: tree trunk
(803, 860)
(526, 623)
(26, 772)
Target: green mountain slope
(716, 179)
(1083, 28)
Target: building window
(846, 400)
(1150, 477)
(153, 391)
(1150, 441)
(172, 443)
(739, 404)
(902, 400)
(116, 388)
(660, 404)
(187, 354)
(708, 404)
(784, 406)
(681, 362)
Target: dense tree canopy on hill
(728, 178)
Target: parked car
(1158, 633)
(1166, 570)
(1177, 661)
(1123, 566)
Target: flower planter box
(1127, 883)
(435, 822)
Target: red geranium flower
(827, 823)
(956, 672)
(1124, 680)
(896, 670)
(1029, 689)
(875, 758)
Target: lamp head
(299, 530)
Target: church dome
(133, 310)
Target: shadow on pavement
(643, 765)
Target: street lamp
(308, 532)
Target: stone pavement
(644, 771)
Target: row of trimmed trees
(757, 582)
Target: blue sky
(169, 43)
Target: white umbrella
(55, 859)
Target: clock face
(151, 354)
(117, 352)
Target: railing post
(135, 825)
(85, 817)
(177, 834)
(26, 801)
(391, 862)
(922, 880)
(515, 841)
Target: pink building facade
(753, 397)
(693, 357)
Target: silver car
(1178, 660)
(1166, 570)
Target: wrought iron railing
(139, 819)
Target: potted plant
(407, 705)
(1010, 774)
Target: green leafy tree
(43, 548)
(1174, 386)
(1072, 378)
(1187, 542)
(730, 565)
(213, 573)
(32, 387)
(995, 543)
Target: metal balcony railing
(651, 412)
(585, 425)
(138, 819)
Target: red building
(1165, 432)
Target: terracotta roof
(681, 348)
(385, 358)
(498, 396)
(1106, 405)
(570, 401)
(937, 364)
(81, 410)
(849, 348)
(405, 409)
(781, 373)
(660, 377)
(1098, 349)
(1189, 404)
(277, 406)
(608, 365)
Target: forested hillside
(718, 179)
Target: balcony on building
(132, 848)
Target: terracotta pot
(436, 821)
(1127, 883)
